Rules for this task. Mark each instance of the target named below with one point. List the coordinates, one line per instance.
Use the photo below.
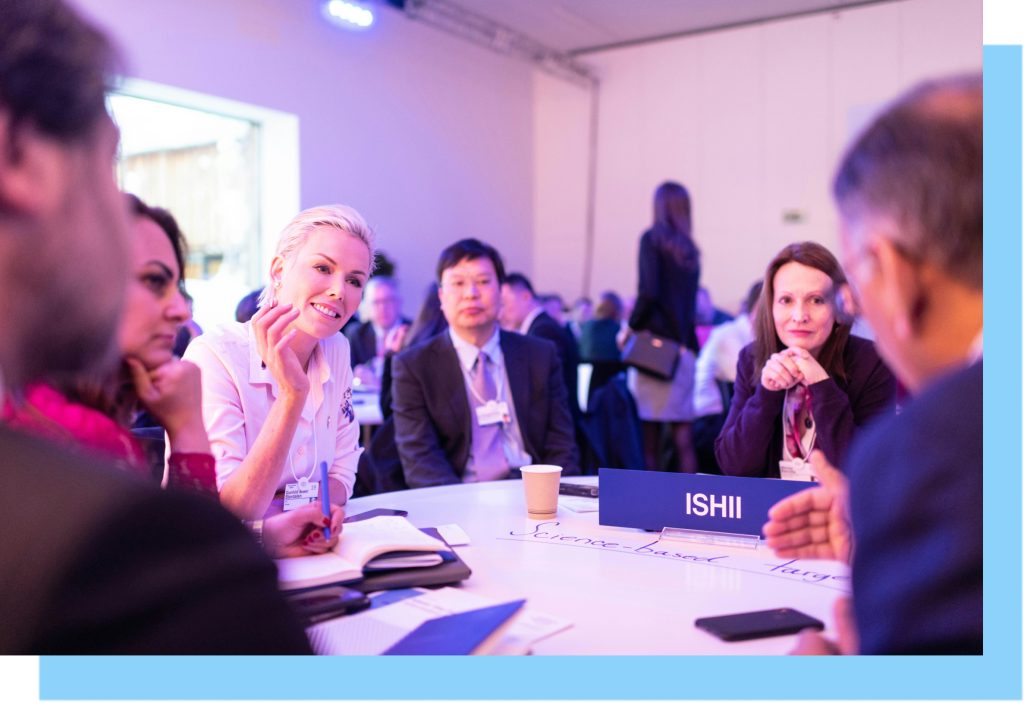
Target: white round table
(624, 591)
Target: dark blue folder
(455, 634)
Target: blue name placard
(654, 500)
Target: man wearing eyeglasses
(909, 193)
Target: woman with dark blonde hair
(805, 382)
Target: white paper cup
(540, 482)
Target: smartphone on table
(758, 625)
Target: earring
(277, 285)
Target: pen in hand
(325, 499)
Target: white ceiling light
(347, 14)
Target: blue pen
(325, 498)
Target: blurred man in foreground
(909, 519)
(91, 559)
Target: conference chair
(611, 427)
(380, 468)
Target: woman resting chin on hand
(96, 412)
(277, 390)
(804, 383)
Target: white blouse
(238, 393)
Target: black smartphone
(379, 512)
(323, 603)
(577, 490)
(758, 625)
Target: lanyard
(792, 431)
(304, 480)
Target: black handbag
(653, 355)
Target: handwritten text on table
(816, 572)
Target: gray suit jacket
(432, 414)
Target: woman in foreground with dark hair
(95, 413)
(669, 274)
(804, 383)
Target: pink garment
(47, 413)
(194, 471)
(797, 420)
(703, 331)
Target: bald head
(918, 168)
(909, 192)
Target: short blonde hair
(294, 235)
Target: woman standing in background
(665, 306)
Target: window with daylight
(208, 168)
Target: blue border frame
(996, 675)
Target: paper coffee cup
(541, 485)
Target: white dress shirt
(717, 361)
(512, 439)
(238, 392)
(380, 335)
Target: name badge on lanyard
(492, 412)
(796, 469)
(300, 494)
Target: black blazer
(750, 442)
(666, 299)
(95, 561)
(544, 326)
(362, 340)
(432, 414)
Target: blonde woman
(277, 390)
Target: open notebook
(371, 544)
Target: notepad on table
(364, 545)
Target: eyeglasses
(854, 264)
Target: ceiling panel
(581, 25)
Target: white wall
(753, 120)
(429, 137)
(433, 139)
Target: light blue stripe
(996, 675)
(521, 678)
(1002, 383)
